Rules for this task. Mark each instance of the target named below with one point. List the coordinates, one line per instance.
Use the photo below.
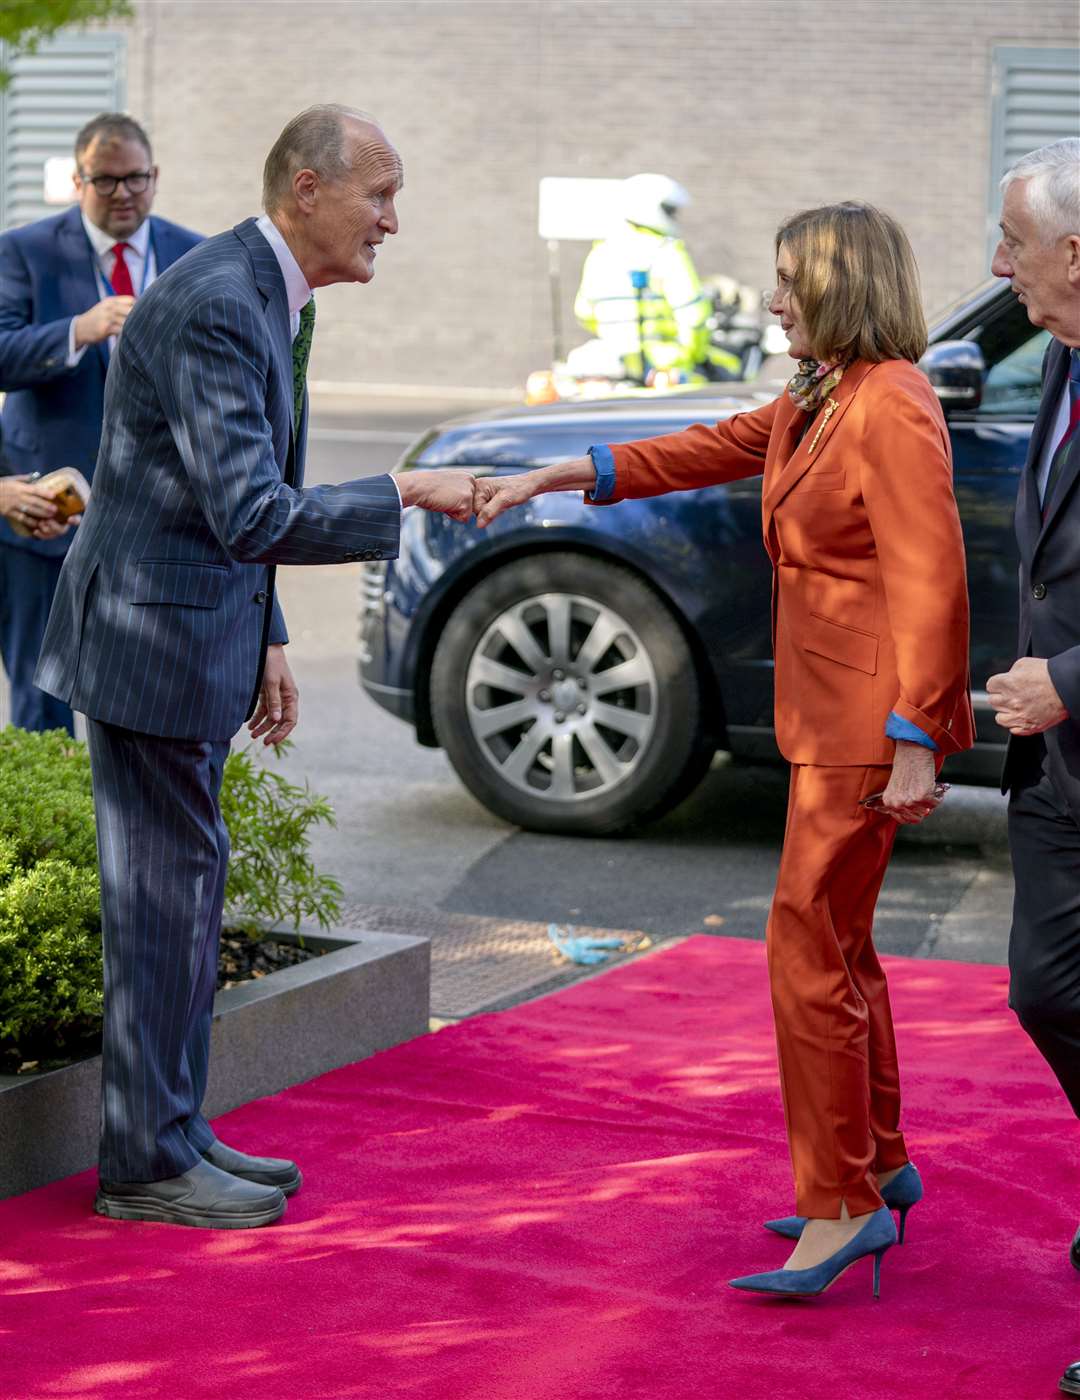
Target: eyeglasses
(135, 183)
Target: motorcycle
(737, 329)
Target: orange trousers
(839, 1075)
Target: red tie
(121, 274)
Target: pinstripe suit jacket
(158, 616)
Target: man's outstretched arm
(449, 491)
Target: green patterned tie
(301, 349)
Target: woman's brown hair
(856, 283)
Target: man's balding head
(318, 139)
(329, 185)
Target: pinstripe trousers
(163, 850)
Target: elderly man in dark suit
(1038, 700)
(166, 634)
(67, 284)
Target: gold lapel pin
(830, 408)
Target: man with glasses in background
(67, 284)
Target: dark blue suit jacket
(158, 619)
(52, 414)
(1050, 584)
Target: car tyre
(566, 697)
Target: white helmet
(653, 201)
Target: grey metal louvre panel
(52, 94)
(1035, 100)
(1041, 105)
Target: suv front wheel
(566, 697)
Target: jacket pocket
(840, 643)
(821, 481)
(180, 582)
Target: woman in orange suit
(870, 637)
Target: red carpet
(545, 1205)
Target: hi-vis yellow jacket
(673, 308)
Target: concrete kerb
(462, 393)
(368, 992)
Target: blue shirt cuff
(898, 728)
(604, 463)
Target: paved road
(412, 842)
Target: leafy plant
(24, 24)
(50, 927)
(50, 955)
(271, 875)
(46, 806)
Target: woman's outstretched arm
(700, 455)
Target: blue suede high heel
(904, 1191)
(875, 1237)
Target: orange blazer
(870, 603)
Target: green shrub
(45, 802)
(50, 930)
(50, 958)
(271, 876)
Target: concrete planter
(370, 991)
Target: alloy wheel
(561, 697)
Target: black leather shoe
(1070, 1381)
(1074, 1252)
(203, 1196)
(264, 1171)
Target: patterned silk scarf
(812, 385)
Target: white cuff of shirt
(73, 355)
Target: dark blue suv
(581, 667)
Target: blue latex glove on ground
(581, 950)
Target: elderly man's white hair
(1053, 187)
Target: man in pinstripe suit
(166, 634)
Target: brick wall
(759, 107)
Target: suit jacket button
(260, 597)
(1038, 591)
(377, 554)
(350, 557)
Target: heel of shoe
(877, 1272)
(903, 1191)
